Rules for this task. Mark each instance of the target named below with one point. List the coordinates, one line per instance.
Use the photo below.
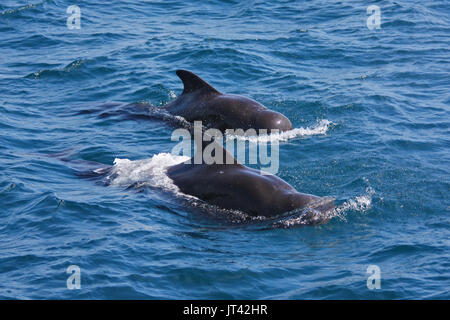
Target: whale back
(192, 82)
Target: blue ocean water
(371, 108)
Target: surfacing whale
(232, 185)
(200, 101)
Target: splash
(320, 128)
(312, 216)
(148, 172)
(360, 203)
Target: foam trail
(321, 127)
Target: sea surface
(371, 111)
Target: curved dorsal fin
(192, 82)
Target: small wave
(360, 203)
(148, 172)
(320, 128)
(74, 65)
(82, 67)
(311, 216)
(19, 9)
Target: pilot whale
(232, 185)
(200, 101)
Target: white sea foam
(310, 216)
(172, 94)
(319, 129)
(148, 172)
(182, 121)
(360, 203)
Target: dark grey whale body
(200, 101)
(235, 186)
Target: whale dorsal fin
(192, 82)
